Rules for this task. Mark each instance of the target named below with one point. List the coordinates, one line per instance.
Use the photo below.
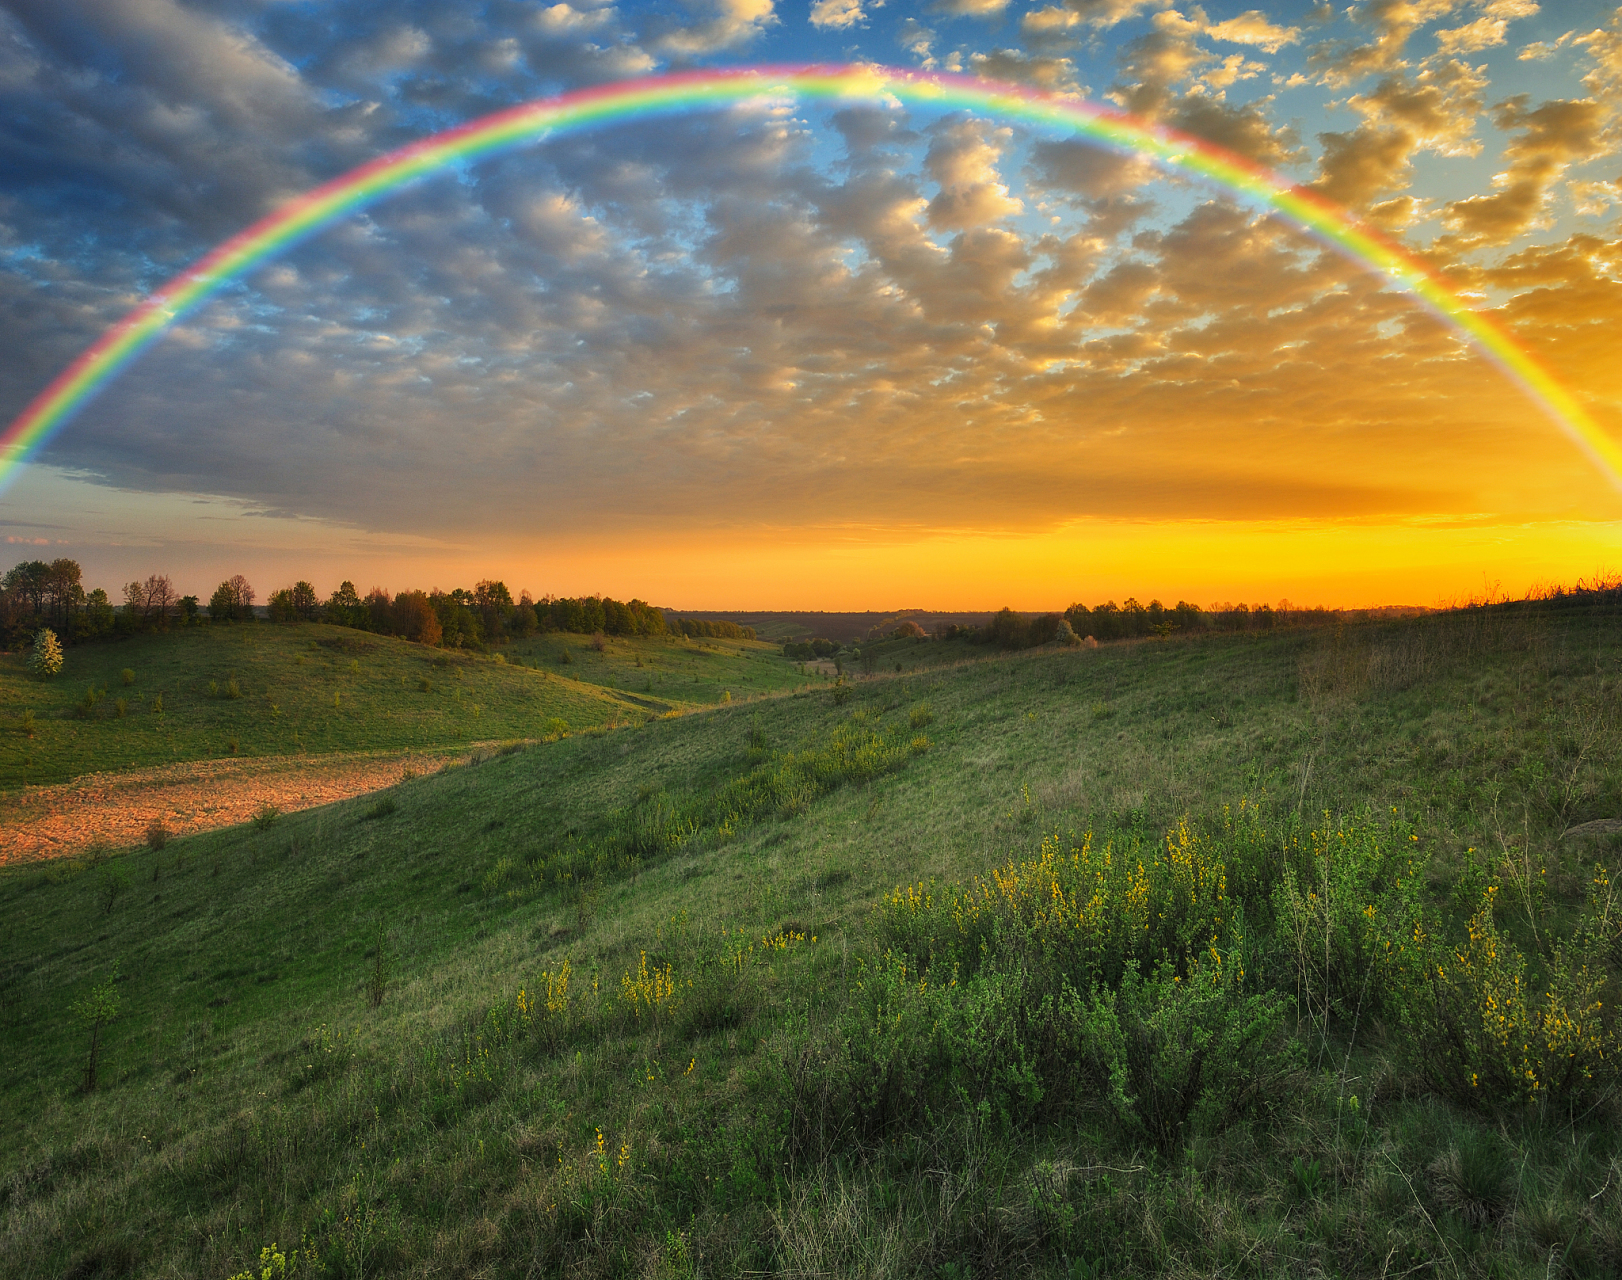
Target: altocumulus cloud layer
(812, 321)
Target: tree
(62, 592)
(379, 611)
(189, 606)
(494, 602)
(98, 611)
(27, 583)
(415, 618)
(281, 606)
(160, 597)
(232, 599)
(46, 660)
(344, 606)
(305, 603)
(95, 1011)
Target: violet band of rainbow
(694, 90)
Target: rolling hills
(834, 980)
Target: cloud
(837, 15)
(1393, 22)
(1542, 50)
(1591, 199)
(970, 8)
(729, 24)
(1051, 73)
(916, 39)
(1553, 135)
(962, 160)
(1050, 29)
(1089, 171)
(1604, 47)
(1234, 68)
(1255, 28)
(1434, 111)
(1483, 33)
(1103, 14)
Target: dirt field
(115, 809)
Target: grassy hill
(1167, 958)
(254, 690)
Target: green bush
(1176, 1056)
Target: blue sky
(877, 345)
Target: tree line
(1132, 620)
(38, 594)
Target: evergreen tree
(46, 660)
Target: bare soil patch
(115, 809)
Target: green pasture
(671, 671)
(644, 1000)
(257, 689)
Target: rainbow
(688, 91)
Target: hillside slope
(647, 1002)
(255, 690)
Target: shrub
(127, 676)
(1174, 1056)
(597, 641)
(112, 881)
(425, 685)
(28, 723)
(1103, 711)
(267, 815)
(921, 716)
(1491, 1029)
(120, 707)
(46, 658)
(157, 835)
(1093, 910)
(232, 688)
(841, 692)
(554, 728)
(157, 704)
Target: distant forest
(38, 594)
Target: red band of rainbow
(686, 91)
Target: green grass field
(258, 690)
(644, 1001)
(664, 671)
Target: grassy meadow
(663, 671)
(1246, 954)
(257, 689)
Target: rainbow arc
(689, 91)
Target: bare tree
(160, 596)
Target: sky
(797, 356)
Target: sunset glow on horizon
(842, 351)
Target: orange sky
(802, 358)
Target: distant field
(837, 982)
(261, 690)
(664, 671)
